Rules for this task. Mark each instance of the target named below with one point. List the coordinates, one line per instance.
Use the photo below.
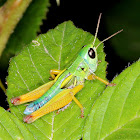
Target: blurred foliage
(125, 15)
(10, 14)
(25, 31)
(2, 2)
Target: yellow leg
(54, 72)
(73, 92)
(59, 75)
(66, 81)
(33, 95)
(91, 77)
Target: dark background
(85, 14)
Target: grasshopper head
(89, 54)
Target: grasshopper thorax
(89, 54)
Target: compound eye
(91, 53)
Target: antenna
(97, 28)
(108, 38)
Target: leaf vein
(53, 38)
(16, 125)
(61, 46)
(46, 51)
(5, 127)
(21, 76)
(35, 66)
(125, 101)
(52, 126)
(40, 131)
(136, 117)
(24, 123)
(108, 104)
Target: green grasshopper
(65, 84)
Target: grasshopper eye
(91, 53)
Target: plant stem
(10, 14)
(2, 86)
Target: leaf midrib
(136, 117)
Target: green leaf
(11, 128)
(26, 30)
(115, 114)
(30, 69)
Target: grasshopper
(65, 84)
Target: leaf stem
(10, 14)
(2, 86)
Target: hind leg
(33, 95)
